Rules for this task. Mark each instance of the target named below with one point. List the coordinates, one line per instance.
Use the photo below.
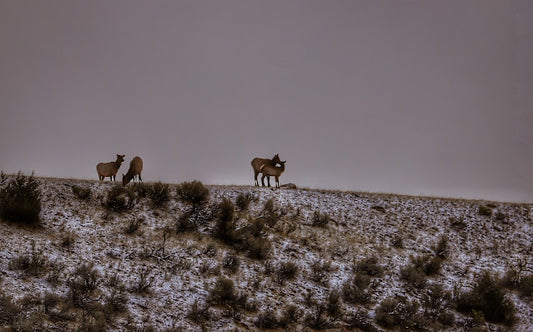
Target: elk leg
(263, 180)
(141, 180)
(268, 178)
(255, 178)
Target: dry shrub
(285, 271)
(243, 201)
(355, 290)
(82, 193)
(324, 314)
(400, 312)
(34, 264)
(199, 313)
(194, 193)
(120, 199)
(488, 297)
(159, 194)
(370, 267)
(320, 219)
(20, 200)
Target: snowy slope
(363, 225)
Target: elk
(109, 169)
(257, 163)
(275, 171)
(136, 167)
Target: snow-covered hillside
(155, 277)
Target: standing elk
(136, 167)
(275, 171)
(258, 163)
(109, 169)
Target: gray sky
(418, 97)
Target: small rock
(289, 186)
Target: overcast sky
(417, 97)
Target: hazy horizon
(410, 97)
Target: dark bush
(285, 271)
(458, 223)
(116, 302)
(428, 265)
(34, 264)
(159, 194)
(267, 320)
(223, 292)
(320, 270)
(257, 248)
(525, 286)
(413, 276)
(256, 227)
(81, 284)
(133, 225)
(441, 249)
(320, 219)
(488, 298)
(243, 201)
(9, 310)
(20, 200)
(291, 314)
(397, 241)
(67, 240)
(82, 193)
(361, 320)
(433, 266)
(500, 216)
(86, 278)
(271, 214)
(231, 262)
(141, 189)
(324, 314)
(399, 312)
(119, 199)
(144, 282)
(194, 193)
(370, 267)
(484, 211)
(199, 314)
(355, 290)
(225, 225)
(334, 305)
(185, 224)
(437, 303)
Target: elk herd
(267, 167)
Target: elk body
(136, 167)
(109, 169)
(258, 163)
(268, 170)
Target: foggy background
(417, 97)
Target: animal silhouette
(136, 167)
(109, 169)
(257, 163)
(268, 170)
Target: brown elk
(109, 169)
(136, 167)
(257, 163)
(275, 171)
